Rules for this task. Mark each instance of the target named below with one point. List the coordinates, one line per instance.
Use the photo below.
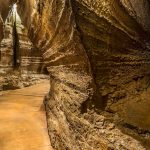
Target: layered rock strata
(116, 36)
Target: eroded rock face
(97, 54)
(116, 37)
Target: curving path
(22, 121)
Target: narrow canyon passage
(23, 121)
(96, 57)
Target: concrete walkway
(22, 121)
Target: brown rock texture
(97, 54)
(116, 37)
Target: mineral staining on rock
(97, 54)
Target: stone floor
(22, 120)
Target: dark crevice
(136, 129)
(16, 56)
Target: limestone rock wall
(6, 51)
(116, 35)
(31, 57)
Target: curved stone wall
(116, 36)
